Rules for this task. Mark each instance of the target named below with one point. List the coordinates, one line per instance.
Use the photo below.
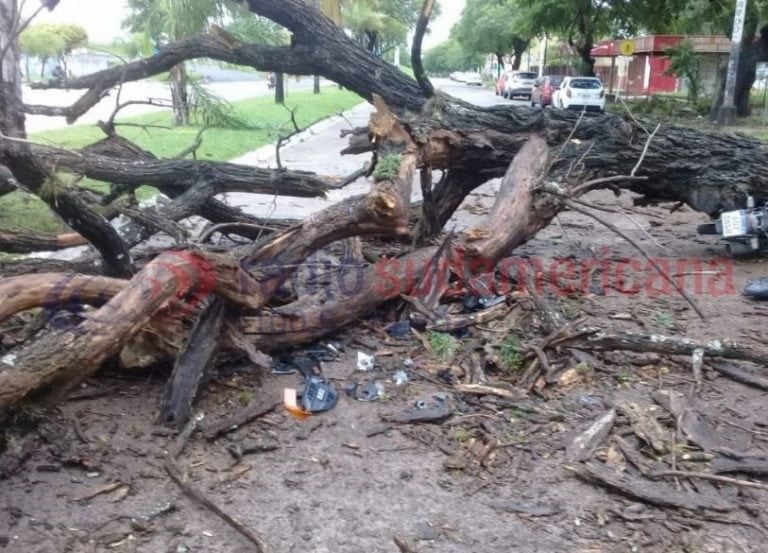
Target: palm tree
(174, 20)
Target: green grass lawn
(267, 119)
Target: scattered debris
(400, 378)
(740, 375)
(365, 362)
(108, 488)
(422, 411)
(240, 449)
(400, 329)
(256, 409)
(372, 391)
(583, 445)
(642, 418)
(483, 390)
(757, 289)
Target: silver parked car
(520, 83)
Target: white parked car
(580, 93)
(473, 79)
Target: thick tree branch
(179, 173)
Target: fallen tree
(187, 302)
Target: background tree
(174, 20)
(381, 25)
(38, 41)
(711, 17)
(450, 56)
(73, 36)
(686, 64)
(492, 27)
(259, 30)
(583, 23)
(52, 40)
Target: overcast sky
(441, 27)
(102, 18)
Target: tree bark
(11, 116)
(180, 95)
(27, 242)
(519, 47)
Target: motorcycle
(745, 231)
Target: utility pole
(726, 114)
(279, 88)
(542, 56)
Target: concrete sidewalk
(318, 150)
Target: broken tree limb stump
(191, 364)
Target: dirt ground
(492, 477)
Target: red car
(543, 89)
(501, 84)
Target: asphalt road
(478, 95)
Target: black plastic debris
(757, 289)
(400, 329)
(318, 395)
(290, 364)
(306, 361)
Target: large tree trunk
(11, 115)
(519, 47)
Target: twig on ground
(173, 470)
(642, 251)
(707, 476)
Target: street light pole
(726, 114)
(543, 56)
